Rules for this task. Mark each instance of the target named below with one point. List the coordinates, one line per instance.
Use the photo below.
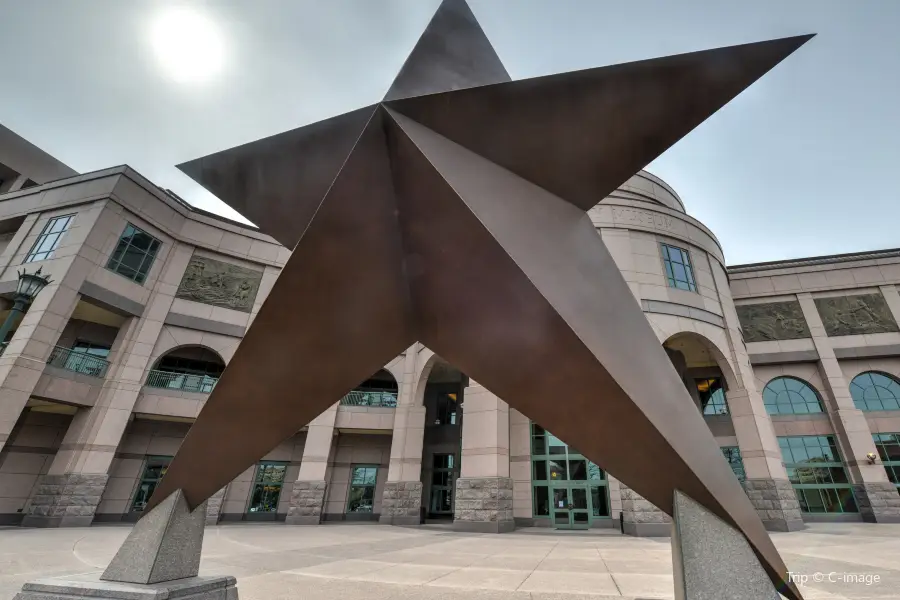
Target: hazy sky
(798, 165)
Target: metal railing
(187, 382)
(78, 362)
(370, 398)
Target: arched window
(875, 391)
(189, 368)
(790, 396)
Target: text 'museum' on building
(794, 365)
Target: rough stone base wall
(484, 504)
(776, 503)
(307, 501)
(214, 507)
(640, 517)
(878, 502)
(401, 503)
(68, 500)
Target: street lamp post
(30, 285)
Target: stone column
(520, 467)
(308, 492)
(89, 446)
(401, 503)
(876, 496)
(484, 490)
(767, 483)
(24, 359)
(402, 499)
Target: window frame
(686, 263)
(859, 400)
(259, 482)
(816, 469)
(891, 467)
(769, 405)
(363, 486)
(116, 258)
(721, 408)
(45, 234)
(152, 481)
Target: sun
(188, 45)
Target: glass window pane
(578, 470)
(555, 445)
(540, 470)
(557, 470)
(541, 501)
(599, 501)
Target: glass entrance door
(570, 507)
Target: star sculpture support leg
(458, 218)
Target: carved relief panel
(850, 315)
(219, 283)
(772, 321)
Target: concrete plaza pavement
(274, 561)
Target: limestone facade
(104, 374)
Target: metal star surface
(453, 212)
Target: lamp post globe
(30, 285)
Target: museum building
(794, 365)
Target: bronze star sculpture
(453, 212)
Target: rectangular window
(49, 239)
(888, 446)
(267, 487)
(154, 469)
(134, 254)
(712, 396)
(733, 456)
(679, 272)
(362, 489)
(814, 466)
(446, 409)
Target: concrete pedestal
(711, 559)
(78, 587)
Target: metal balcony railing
(187, 382)
(370, 398)
(78, 362)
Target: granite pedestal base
(401, 503)
(640, 518)
(776, 503)
(68, 500)
(307, 503)
(484, 505)
(712, 560)
(878, 502)
(78, 587)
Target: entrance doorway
(568, 490)
(442, 479)
(570, 507)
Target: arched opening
(791, 396)
(379, 390)
(443, 398)
(700, 367)
(188, 368)
(873, 390)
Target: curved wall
(633, 221)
